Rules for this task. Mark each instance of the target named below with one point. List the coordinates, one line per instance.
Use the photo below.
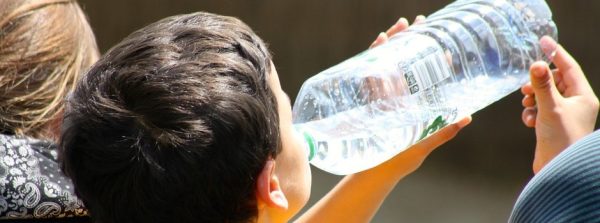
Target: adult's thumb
(543, 84)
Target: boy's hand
(412, 158)
(364, 192)
(560, 104)
(400, 26)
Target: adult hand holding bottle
(560, 104)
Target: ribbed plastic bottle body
(466, 56)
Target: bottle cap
(309, 142)
(311, 145)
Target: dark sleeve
(31, 183)
(567, 189)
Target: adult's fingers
(572, 75)
(528, 101)
(529, 116)
(527, 89)
(543, 85)
(558, 55)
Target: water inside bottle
(464, 57)
(343, 146)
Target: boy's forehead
(273, 78)
(275, 85)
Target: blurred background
(474, 178)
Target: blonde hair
(45, 45)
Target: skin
(288, 177)
(283, 186)
(560, 104)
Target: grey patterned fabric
(31, 183)
(567, 189)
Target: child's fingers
(400, 25)
(419, 19)
(381, 38)
(444, 135)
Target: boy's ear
(268, 189)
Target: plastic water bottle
(464, 57)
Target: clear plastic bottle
(464, 57)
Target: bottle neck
(308, 142)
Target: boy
(185, 121)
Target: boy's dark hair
(173, 124)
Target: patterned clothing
(567, 189)
(31, 183)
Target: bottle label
(427, 69)
(437, 124)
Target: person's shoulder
(31, 183)
(583, 155)
(23, 146)
(565, 190)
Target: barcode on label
(423, 73)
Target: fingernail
(402, 21)
(538, 72)
(378, 38)
(464, 121)
(530, 120)
(549, 47)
